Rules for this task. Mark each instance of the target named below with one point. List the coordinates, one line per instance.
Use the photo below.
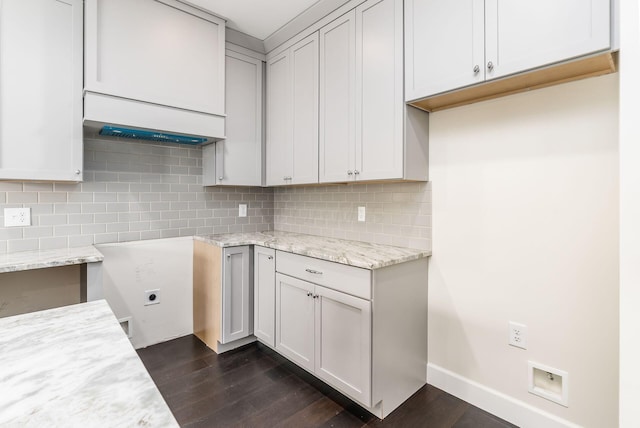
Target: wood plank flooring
(253, 386)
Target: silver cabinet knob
(309, 294)
(77, 171)
(490, 65)
(270, 257)
(315, 296)
(356, 172)
(286, 178)
(476, 69)
(220, 178)
(349, 172)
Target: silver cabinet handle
(315, 272)
(476, 69)
(316, 296)
(309, 294)
(228, 256)
(490, 65)
(349, 172)
(356, 172)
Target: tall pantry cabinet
(41, 90)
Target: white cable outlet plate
(151, 297)
(15, 217)
(242, 210)
(517, 335)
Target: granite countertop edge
(40, 259)
(353, 253)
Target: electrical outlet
(517, 335)
(14, 217)
(151, 297)
(242, 210)
(361, 213)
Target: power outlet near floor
(517, 335)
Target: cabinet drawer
(347, 279)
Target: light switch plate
(15, 217)
(242, 210)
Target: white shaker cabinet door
(444, 45)
(521, 35)
(379, 90)
(239, 156)
(264, 295)
(343, 343)
(279, 136)
(295, 320)
(236, 294)
(41, 90)
(304, 81)
(337, 99)
(160, 52)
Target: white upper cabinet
(450, 45)
(41, 90)
(292, 114)
(157, 52)
(379, 71)
(433, 66)
(338, 99)
(237, 160)
(366, 131)
(523, 35)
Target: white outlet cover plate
(16, 217)
(242, 210)
(361, 213)
(517, 335)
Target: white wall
(132, 268)
(629, 214)
(525, 228)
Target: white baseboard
(508, 408)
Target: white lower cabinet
(364, 332)
(295, 320)
(343, 342)
(264, 301)
(222, 296)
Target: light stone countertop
(74, 367)
(353, 253)
(26, 260)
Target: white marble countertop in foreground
(354, 253)
(26, 260)
(74, 367)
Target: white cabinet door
(379, 90)
(292, 114)
(237, 313)
(343, 343)
(522, 35)
(238, 158)
(41, 90)
(304, 81)
(295, 320)
(444, 42)
(337, 99)
(264, 316)
(160, 52)
(279, 139)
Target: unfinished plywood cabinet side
(207, 293)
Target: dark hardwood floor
(253, 386)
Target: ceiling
(258, 18)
